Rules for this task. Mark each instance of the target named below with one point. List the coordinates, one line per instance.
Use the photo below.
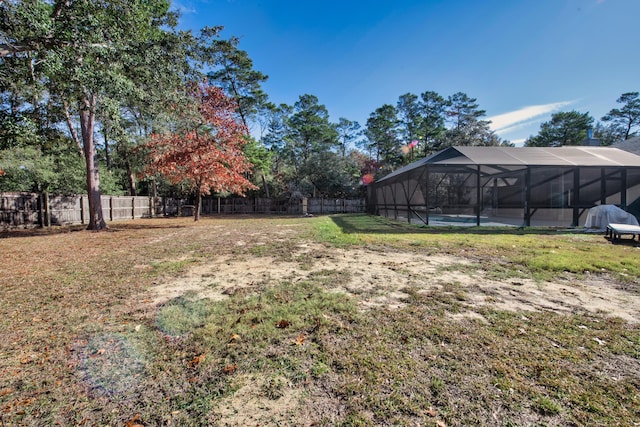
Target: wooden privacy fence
(30, 209)
(316, 206)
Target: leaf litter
(375, 279)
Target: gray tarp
(599, 216)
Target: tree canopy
(564, 128)
(625, 121)
(78, 54)
(206, 153)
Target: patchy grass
(542, 252)
(83, 346)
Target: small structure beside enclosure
(530, 186)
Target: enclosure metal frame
(608, 174)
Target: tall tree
(462, 109)
(235, 74)
(627, 118)
(409, 117)
(85, 46)
(607, 134)
(348, 133)
(382, 133)
(311, 130)
(472, 133)
(564, 128)
(130, 114)
(207, 155)
(468, 128)
(277, 141)
(433, 120)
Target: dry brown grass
(372, 335)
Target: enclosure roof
(527, 156)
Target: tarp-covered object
(600, 216)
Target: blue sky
(521, 59)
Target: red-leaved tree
(207, 155)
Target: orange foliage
(209, 156)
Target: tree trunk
(87, 118)
(154, 188)
(106, 148)
(37, 113)
(264, 184)
(72, 130)
(132, 179)
(196, 208)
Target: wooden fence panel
(170, 206)
(120, 208)
(18, 209)
(29, 210)
(319, 206)
(106, 208)
(67, 209)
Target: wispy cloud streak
(512, 120)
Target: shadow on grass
(39, 231)
(370, 224)
(625, 242)
(62, 229)
(168, 222)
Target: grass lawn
(347, 320)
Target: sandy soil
(377, 279)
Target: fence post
(47, 210)
(110, 208)
(133, 208)
(41, 209)
(81, 209)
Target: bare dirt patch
(381, 279)
(260, 401)
(377, 279)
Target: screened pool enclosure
(532, 186)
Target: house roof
(527, 156)
(631, 145)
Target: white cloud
(184, 9)
(507, 122)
